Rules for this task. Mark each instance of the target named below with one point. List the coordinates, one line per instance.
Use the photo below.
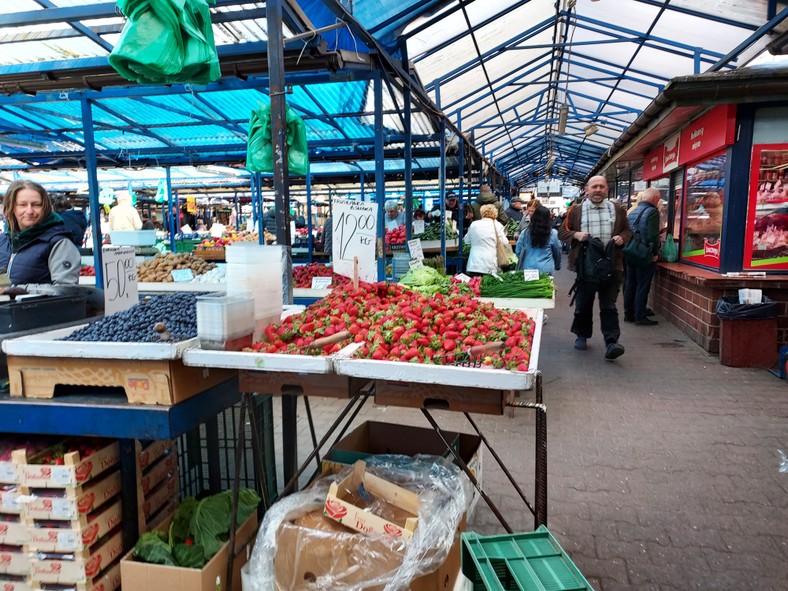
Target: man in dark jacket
(644, 219)
(597, 217)
(487, 196)
(515, 209)
(75, 221)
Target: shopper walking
(538, 247)
(483, 236)
(596, 217)
(643, 219)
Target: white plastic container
(257, 269)
(225, 322)
(133, 237)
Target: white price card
(414, 247)
(418, 227)
(530, 274)
(120, 278)
(462, 277)
(354, 231)
(10, 501)
(63, 476)
(8, 472)
(321, 282)
(416, 263)
(67, 540)
(181, 275)
(63, 509)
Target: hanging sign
(120, 278)
(670, 153)
(653, 164)
(354, 229)
(708, 133)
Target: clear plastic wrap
(297, 549)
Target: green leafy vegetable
(152, 547)
(211, 520)
(422, 276)
(513, 285)
(248, 500)
(190, 556)
(181, 520)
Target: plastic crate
(513, 562)
(28, 313)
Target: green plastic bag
(670, 251)
(166, 42)
(260, 152)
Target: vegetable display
(513, 285)
(178, 312)
(197, 531)
(395, 324)
(511, 227)
(398, 235)
(433, 232)
(303, 275)
(159, 268)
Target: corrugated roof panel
(146, 113)
(64, 115)
(198, 135)
(126, 142)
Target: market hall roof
(499, 69)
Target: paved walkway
(662, 466)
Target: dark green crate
(532, 561)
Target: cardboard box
(76, 470)
(153, 381)
(76, 535)
(157, 577)
(13, 533)
(13, 585)
(14, 562)
(442, 397)
(148, 454)
(345, 505)
(165, 468)
(9, 500)
(69, 503)
(80, 570)
(314, 547)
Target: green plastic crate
(532, 561)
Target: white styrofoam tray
(521, 303)
(46, 344)
(258, 361)
(447, 375)
(305, 292)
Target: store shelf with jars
(704, 203)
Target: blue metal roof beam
(45, 134)
(597, 81)
(704, 15)
(765, 29)
(79, 27)
(137, 128)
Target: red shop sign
(708, 133)
(652, 164)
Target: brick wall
(687, 297)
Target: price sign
(416, 263)
(181, 275)
(120, 278)
(414, 246)
(462, 277)
(354, 230)
(530, 274)
(321, 282)
(418, 227)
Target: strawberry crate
(14, 561)
(10, 443)
(165, 468)
(9, 500)
(148, 453)
(82, 566)
(78, 534)
(151, 505)
(71, 502)
(58, 468)
(15, 583)
(13, 531)
(109, 580)
(532, 560)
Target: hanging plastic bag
(670, 251)
(259, 153)
(166, 42)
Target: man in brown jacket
(596, 216)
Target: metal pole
(309, 239)
(93, 188)
(170, 215)
(408, 170)
(380, 171)
(442, 176)
(540, 468)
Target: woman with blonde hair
(483, 236)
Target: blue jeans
(583, 323)
(636, 288)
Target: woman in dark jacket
(42, 250)
(75, 221)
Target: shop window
(663, 186)
(705, 198)
(678, 204)
(766, 237)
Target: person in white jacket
(483, 236)
(124, 216)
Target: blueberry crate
(532, 561)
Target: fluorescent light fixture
(590, 129)
(20, 143)
(563, 115)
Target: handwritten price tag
(414, 246)
(182, 275)
(321, 282)
(462, 277)
(354, 232)
(416, 263)
(120, 278)
(418, 227)
(530, 274)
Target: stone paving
(663, 466)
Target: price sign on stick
(120, 278)
(354, 229)
(418, 227)
(414, 246)
(530, 274)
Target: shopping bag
(260, 154)
(670, 250)
(637, 252)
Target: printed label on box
(63, 509)
(11, 501)
(7, 472)
(62, 476)
(67, 540)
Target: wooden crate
(13, 533)
(78, 534)
(307, 384)
(14, 562)
(439, 397)
(11, 585)
(9, 495)
(109, 580)
(152, 451)
(210, 254)
(87, 566)
(76, 471)
(72, 501)
(164, 381)
(151, 505)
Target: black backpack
(594, 264)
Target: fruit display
(54, 456)
(303, 275)
(433, 232)
(398, 235)
(396, 324)
(228, 238)
(513, 285)
(177, 312)
(159, 268)
(87, 271)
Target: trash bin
(748, 332)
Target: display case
(704, 201)
(766, 235)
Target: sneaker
(646, 322)
(581, 344)
(629, 318)
(614, 351)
